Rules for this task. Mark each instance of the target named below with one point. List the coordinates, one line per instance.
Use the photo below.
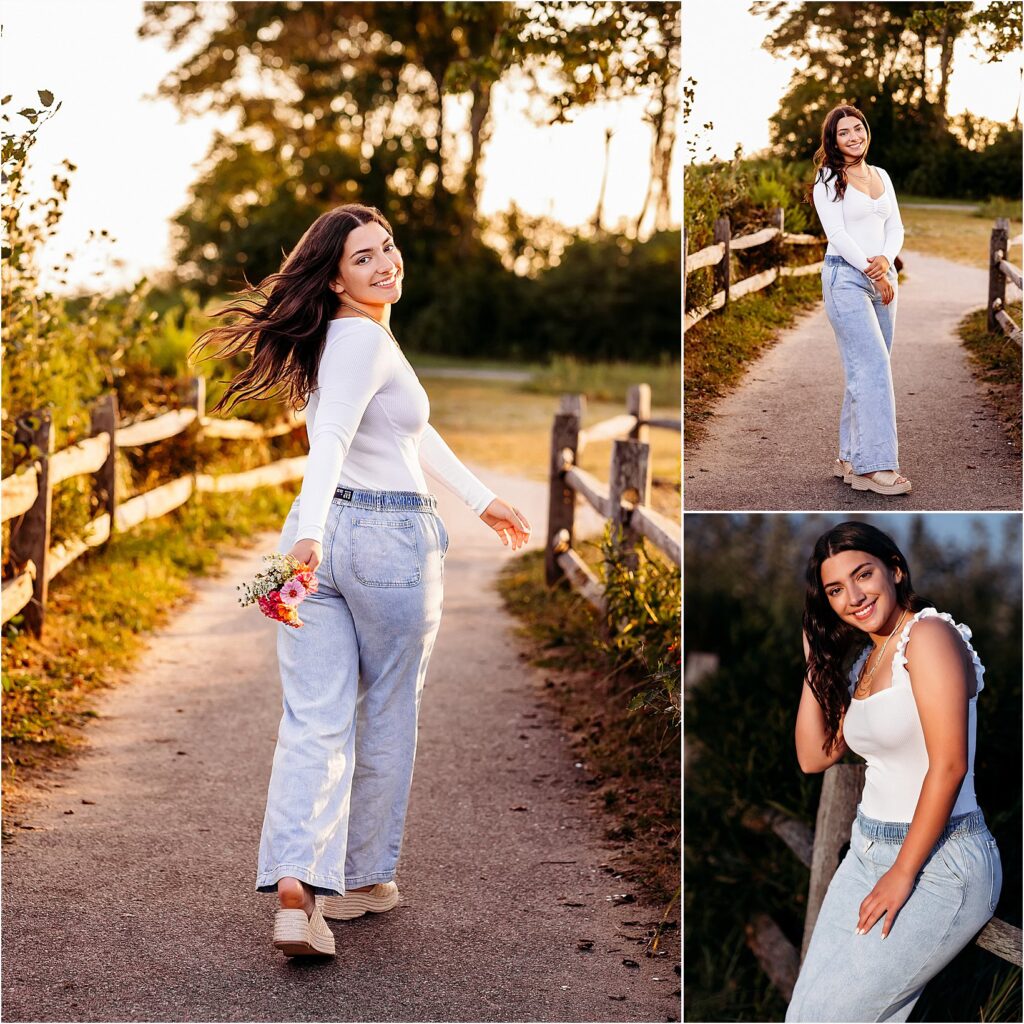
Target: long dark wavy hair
(831, 640)
(829, 162)
(283, 319)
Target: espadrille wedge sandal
(842, 469)
(383, 896)
(298, 935)
(884, 481)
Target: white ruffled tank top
(885, 729)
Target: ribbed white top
(885, 729)
(367, 424)
(859, 226)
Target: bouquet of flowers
(280, 588)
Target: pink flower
(292, 593)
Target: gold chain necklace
(864, 684)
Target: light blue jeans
(864, 327)
(849, 977)
(352, 678)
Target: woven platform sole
(865, 483)
(383, 896)
(298, 935)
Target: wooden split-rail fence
(27, 493)
(717, 255)
(624, 500)
(1000, 270)
(819, 849)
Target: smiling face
(861, 590)
(852, 138)
(370, 272)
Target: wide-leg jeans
(850, 977)
(863, 327)
(352, 679)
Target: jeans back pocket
(385, 552)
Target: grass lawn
(953, 234)
(508, 426)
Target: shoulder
(357, 338)
(934, 638)
(884, 175)
(824, 183)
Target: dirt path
(132, 895)
(770, 444)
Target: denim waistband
(838, 261)
(386, 501)
(970, 824)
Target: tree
(343, 101)
(873, 55)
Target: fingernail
(858, 932)
(884, 934)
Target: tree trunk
(946, 42)
(478, 113)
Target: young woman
(923, 874)
(857, 207)
(352, 677)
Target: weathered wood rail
(717, 256)
(819, 850)
(624, 500)
(999, 271)
(27, 494)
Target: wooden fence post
(30, 538)
(779, 221)
(197, 397)
(723, 233)
(104, 480)
(686, 249)
(837, 807)
(638, 404)
(565, 437)
(997, 249)
(628, 481)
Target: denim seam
(330, 554)
(301, 867)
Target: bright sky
(739, 93)
(136, 159)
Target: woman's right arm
(810, 733)
(830, 213)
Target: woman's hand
(889, 894)
(309, 551)
(878, 267)
(886, 290)
(507, 522)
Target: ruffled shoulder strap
(900, 675)
(857, 666)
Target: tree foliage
(877, 56)
(348, 101)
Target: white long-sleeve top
(859, 226)
(368, 429)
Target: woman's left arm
(441, 463)
(894, 233)
(939, 669)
